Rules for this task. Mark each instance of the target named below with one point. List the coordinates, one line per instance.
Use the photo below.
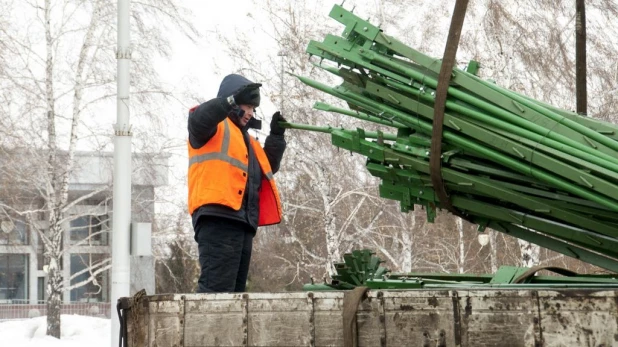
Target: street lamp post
(281, 54)
(121, 222)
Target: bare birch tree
(61, 72)
(177, 266)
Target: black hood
(229, 86)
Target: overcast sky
(197, 60)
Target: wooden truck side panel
(474, 318)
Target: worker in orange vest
(231, 186)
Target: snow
(75, 331)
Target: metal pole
(580, 57)
(122, 171)
(282, 54)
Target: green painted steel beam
(609, 262)
(359, 115)
(491, 189)
(508, 274)
(362, 268)
(562, 233)
(556, 142)
(509, 162)
(513, 102)
(393, 284)
(511, 147)
(347, 140)
(582, 189)
(339, 47)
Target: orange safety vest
(218, 174)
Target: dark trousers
(225, 253)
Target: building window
(40, 258)
(83, 267)
(92, 230)
(13, 277)
(41, 290)
(13, 232)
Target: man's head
(247, 114)
(246, 95)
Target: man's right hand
(275, 128)
(247, 95)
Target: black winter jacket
(202, 127)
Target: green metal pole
(470, 145)
(362, 116)
(522, 122)
(576, 150)
(329, 130)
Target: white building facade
(87, 233)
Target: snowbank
(76, 331)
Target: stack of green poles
(509, 162)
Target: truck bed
(474, 318)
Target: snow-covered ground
(76, 331)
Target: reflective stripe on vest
(223, 154)
(218, 174)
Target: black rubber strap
(351, 300)
(580, 57)
(533, 270)
(121, 307)
(448, 62)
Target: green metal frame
(362, 268)
(509, 162)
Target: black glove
(275, 128)
(247, 95)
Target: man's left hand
(275, 128)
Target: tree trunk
(332, 244)
(54, 301)
(54, 239)
(406, 264)
(462, 254)
(53, 258)
(329, 217)
(493, 245)
(530, 253)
